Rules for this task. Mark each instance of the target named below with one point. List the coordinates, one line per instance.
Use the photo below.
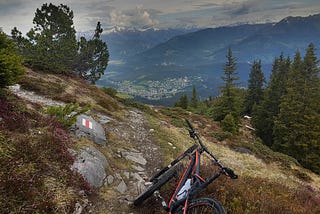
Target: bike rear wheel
(161, 180)
(205, 205)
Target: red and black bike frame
(192, 171)
(197, 182)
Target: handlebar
(230, 173)
(193, 134)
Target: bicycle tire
(203, 206)
(161, 180)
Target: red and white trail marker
(87, 123)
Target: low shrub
(106, 102)
(257, 195)
(14, 117)
(67, 115)
(229, 124)
(110, 91)
(174, 113)
(35, 174)
(221, 136)
(42, 86)
(134, 104)
(178, 123)
(264, 152)
(249, 195)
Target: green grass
(257, 195)
(172, 141)
(124, 96)
(42, 86)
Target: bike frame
(198, 183)
(191, 171)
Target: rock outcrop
(91, 164)
(87, 127)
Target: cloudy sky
(158, 13)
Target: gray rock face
(135, 157)
(122, 187)
(91, 164)
(87, 127)
(103, 119)
(109, 180)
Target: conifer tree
(255, 87)
(229, 124)
(194, 99)
(53, 38)
(290, 107)
(22, 44)
(183, 102)
(265, 113)
(229, 101)
(51, 45)
(10, 62)
(93, 57)
(297, 127)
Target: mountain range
(155, 55)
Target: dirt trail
(142, 155)
(136, 146)
(31, 96)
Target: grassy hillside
(35, 175)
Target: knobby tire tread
(205, 202)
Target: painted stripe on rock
(87, 123)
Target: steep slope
(141, 139)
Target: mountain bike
(184, 199)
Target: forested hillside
(285, 111)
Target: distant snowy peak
(114, 29)
(119, 29)
(297, 19)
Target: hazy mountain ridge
(202, 53)
(125, 43)
(248, 42)
(200, 45)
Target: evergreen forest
(285, 112)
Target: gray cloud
(206, 5)
(156, 13)
(243, 8)
(138, 17)
(261, 11)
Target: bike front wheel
(204, 205)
